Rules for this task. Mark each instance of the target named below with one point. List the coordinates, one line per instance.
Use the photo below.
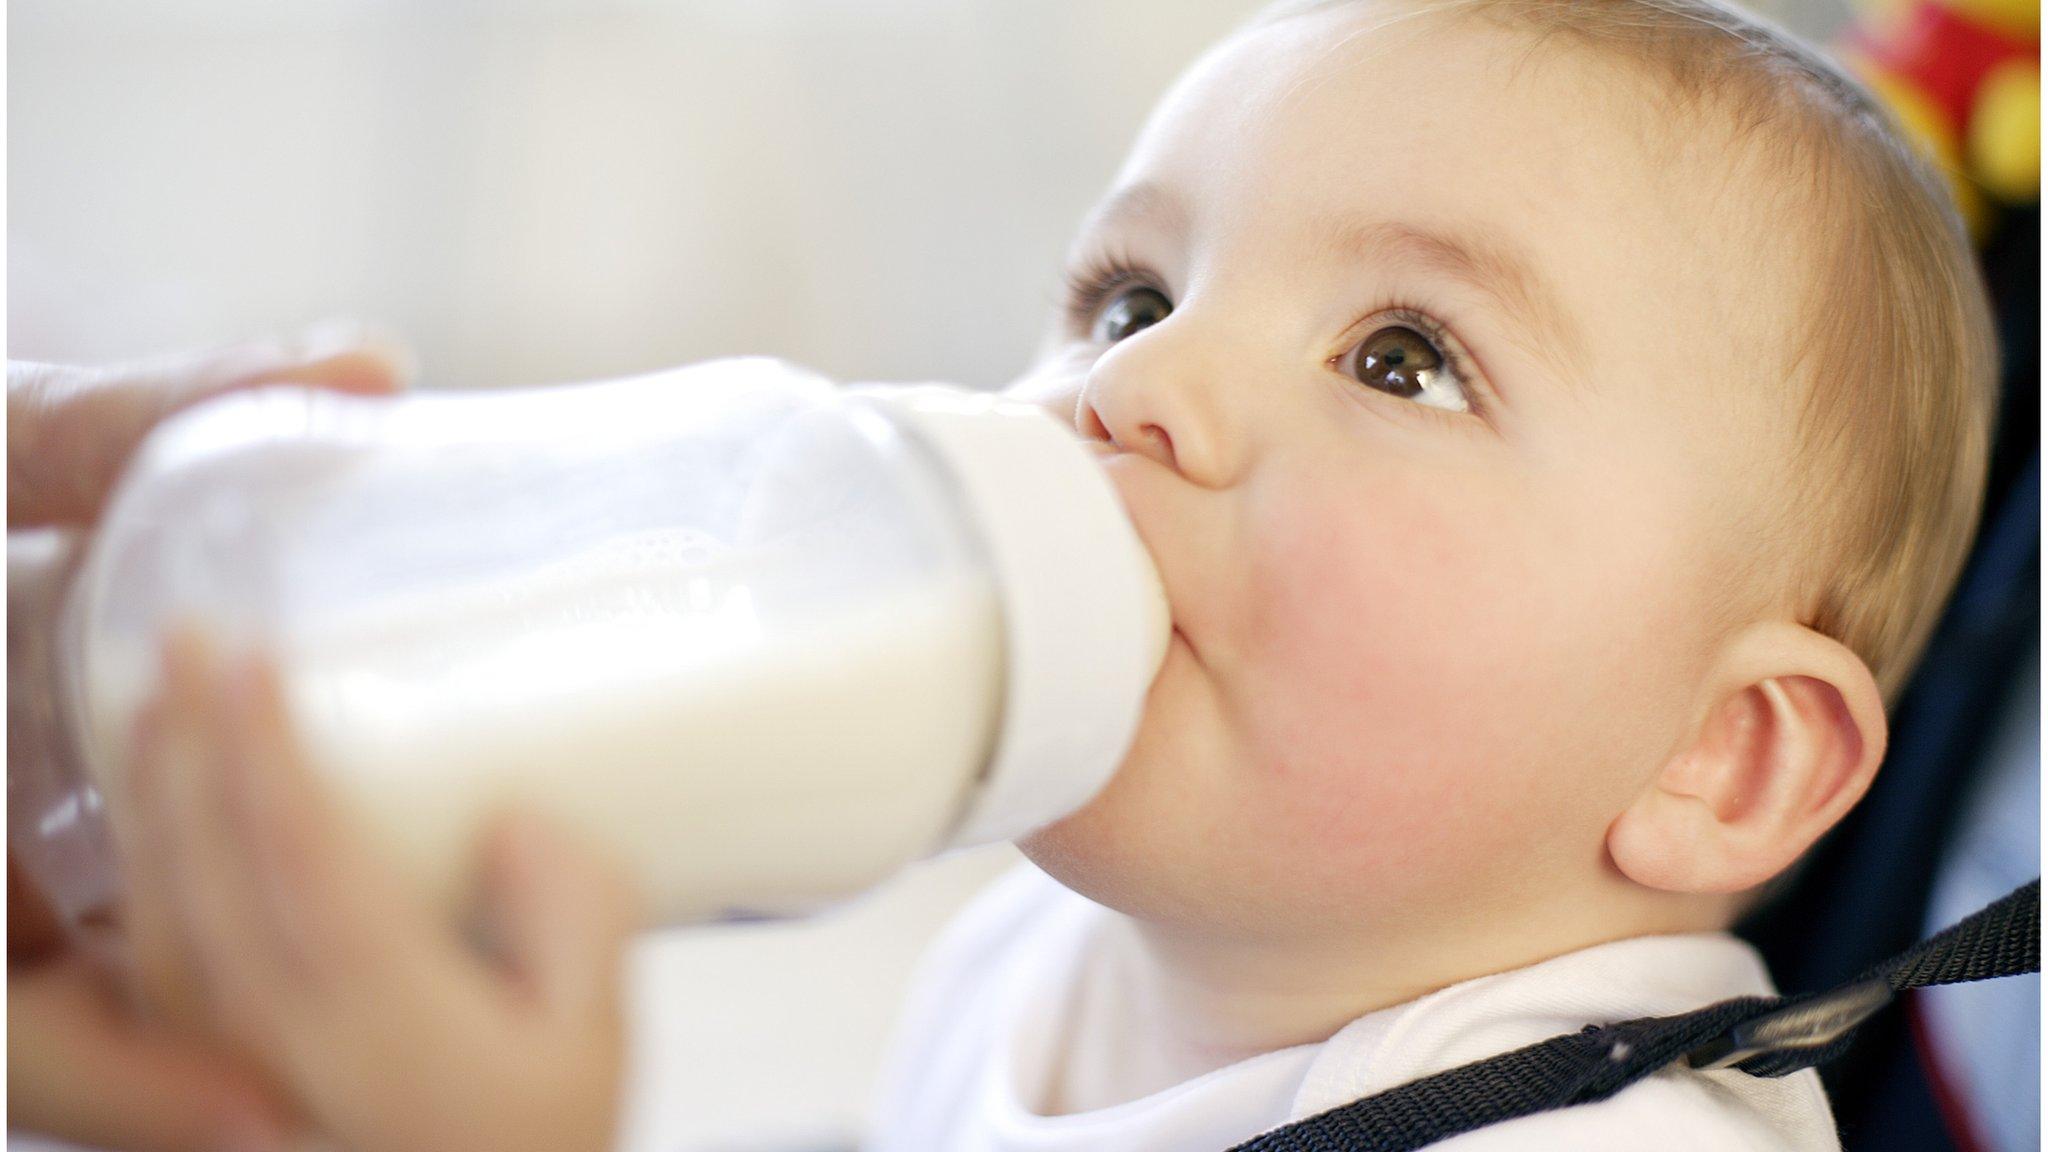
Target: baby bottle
(765, 639)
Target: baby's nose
(1136, 435)
(1155, 406)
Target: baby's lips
(1122, 468)
(1127, 475)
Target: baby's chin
(1103, 854)
(1147, 878)
(1073, 852)
(1152, 842)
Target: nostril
(1086, 421)
(1089, 422)
(1158, 441)
(1131, 432)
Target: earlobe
(1791, 736)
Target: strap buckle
(1803, 1026)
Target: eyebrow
(1487, 262)
(1478, 257)
(1144, 203)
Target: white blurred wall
(540, 191)
(543, 190)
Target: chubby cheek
(1327, 750)
(1398, 691)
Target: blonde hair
(1901, 357)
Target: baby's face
(1450, 394)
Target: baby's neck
(1183, 1004)
(1157, 1009)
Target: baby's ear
(1791, 732)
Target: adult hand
(80, 1065)
(70, 430)
(318, 958)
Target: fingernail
(242, 682)
(187, 654)
(240, 738)
(330, 337)
(342, 336)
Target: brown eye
(1393, 360)
(1132, 311)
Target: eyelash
(1460, 368)
(1095, 281)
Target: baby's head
(1558, 424)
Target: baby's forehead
(1362, 87)
(1303, 133)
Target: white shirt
(983, 1032)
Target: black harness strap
(1764, 1036)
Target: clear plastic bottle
(766, 639)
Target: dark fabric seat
(1864, 893)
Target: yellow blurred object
(2005, 132)
(1964, 78)
(2011, 17)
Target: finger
(71, 430)
(363, 983)
(261, 972)
(32, 929)
(163, 970)
(178, 769)
(301, 929)
(78, 1070)
(562, 913)
(39, 567)
(330, 904)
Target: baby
(1558, 425)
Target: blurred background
(540, 190)
(544, 190)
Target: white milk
(726, 769)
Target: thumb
(71, 430)
(560, 913)
(81, 1069)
